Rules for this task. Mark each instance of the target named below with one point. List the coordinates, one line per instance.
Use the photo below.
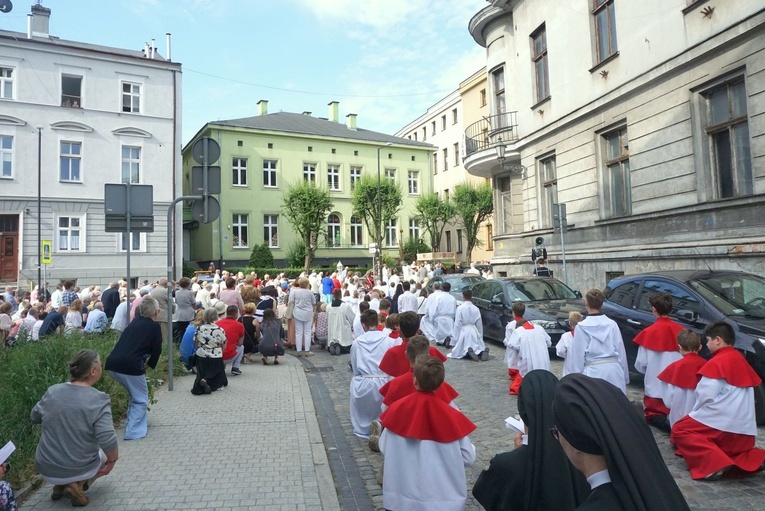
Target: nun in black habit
(537, 476)
(608, 440)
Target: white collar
(599, 479)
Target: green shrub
(261, 257)
(412, 247)
(29, 368)
(291, 273)
(296, 254)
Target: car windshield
(734, 294)
(459, 282)
(539, 289)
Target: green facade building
(261, 155)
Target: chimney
(40, 20)
(262, 107)
(334, 114)
(350, 121)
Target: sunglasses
(555, 433)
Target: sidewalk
(254, 445)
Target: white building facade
(96, 115)
(645, 121)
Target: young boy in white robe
(530, 342)
(561, 349)
(511, 356)
(366, 353)
(426, 447)
(358, 330)
(468, 331)
(680, 378)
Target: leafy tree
(474, 204)
(307, 206)
(261, 257)
(434, 213)
(412, 247)
(296, 254)
(365, 204)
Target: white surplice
(598, 351)
(716, 399)
(561, 349)
(680, 401)
(440, 311)
(366, 401)
(511, 356)
(468, 331)
(651, 363)
(340, 324)
(531, 346)
(424, 475)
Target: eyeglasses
(554, 432)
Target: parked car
(548, 302)
(458, 281)
(698, 299)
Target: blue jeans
(137, 388)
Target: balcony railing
(489, 131)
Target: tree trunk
(308, 254)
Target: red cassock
(708, 450)
(403, 385)
(424, 416)
(684, 372)
(515, 375)
(395, 363)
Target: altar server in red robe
(657, 348)
(680, 378)
(426, 447)
(394, 362)
(719, 433)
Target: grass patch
(30, 368)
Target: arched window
(333, 230)
(357, 233)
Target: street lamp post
(39, 212)
(379, 210)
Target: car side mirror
(687, 315)
(578, 294)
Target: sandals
(265, 361)
(276, 361)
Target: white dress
(531, 346)
(598, 351)
(561, 349)
(468, 331)
(366, 401)
(651, 363)
(340, 324)
(440, 312)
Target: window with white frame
(727, 129)
(448, 241)
(605, 28)
(131, 164)
(70, 233)
(6, 82)
(390, 174)
(333, 177)
(131, 97)
(414, 182)
(549, 176)
(269, 173)
(71, 91)
(617, 189)
(539, 59)
(309, 172)
(357, 232)
(443, 122)
(454, 116)
(456, 151)
(355, 177)
(391, 233)
(334, 229)
(137, 239)
(6, 156)
(498, 84)
(446, 158)
(414, 229)
(239, 230)
(70, 159)
(239, 171)
(271, 230)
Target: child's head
(519, 309)
(446, 287)
(391, 321)
(594, 299)
(417, 345)
(408, 323)
(369, 320)
(384, 305)
(363, 307)
(574, 318)
(719, 335)
(428, 373)
(689, 341)
(662, 303)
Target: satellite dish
(6, 6)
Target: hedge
(291, 273)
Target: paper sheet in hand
(6, 451)
(515, 424)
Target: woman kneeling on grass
(78, 443)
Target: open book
(6, 451)
(515, 424)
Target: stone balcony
(482, 139)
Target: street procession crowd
(579, 443)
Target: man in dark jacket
(111, 299)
